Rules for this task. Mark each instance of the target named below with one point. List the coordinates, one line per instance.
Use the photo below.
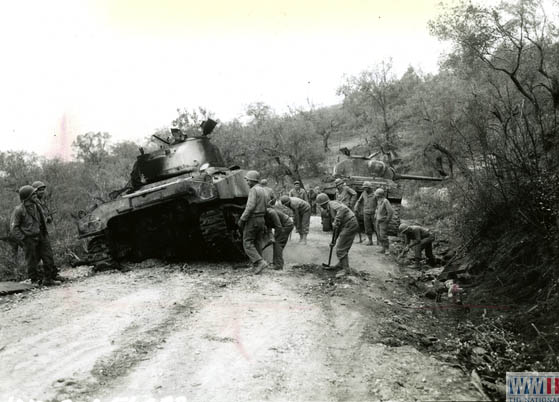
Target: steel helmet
(322, 199)
(402, 228)
(338, 182)
(264, 182)
(284, 199)
(38, 184)
(25, 192)
(367, 184)
(253, 175)
(379, 191)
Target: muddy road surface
(215, 332)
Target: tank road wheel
(218, 238)
(99, 254)
(395, 221)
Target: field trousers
(254, 233)
(345, 238)
(369, 223)
(302, 221)
(281, 236)
(36, 249)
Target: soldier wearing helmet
(418, 238)
(298, 191)
(252, 223)
(41, 189)
(29, 228)
(345, 194)
(345, 227)
(301, 214)
(369, 201)
(383, 215)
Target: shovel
(332, 244)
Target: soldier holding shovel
(345, 228)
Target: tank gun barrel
(416, 177)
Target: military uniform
(252, 219)
(346, 195)
(301, 214)
(369, 201)
(301, 193)
(283, 225)
(383, 215)
(423, 240)
(345, 223)
(270, 195)
(29, 227)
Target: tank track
(395, 221)
(99, 254)
(219, 239)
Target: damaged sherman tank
(355, 170)
(181, 202)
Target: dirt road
(209, 332)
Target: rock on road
(215, 332)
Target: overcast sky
(125, 66)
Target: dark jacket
(28, 220)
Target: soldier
(383, 215)
(302, 214)
(313, 192)
(29, 227)
(283, 225)
(418, 238)
(252, 222)
(345, 194)
(269, 191)
(345, 225)
(299, 192)
(369, 201)
(41, 189)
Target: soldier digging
(345, 227)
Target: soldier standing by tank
(299, 192)
(301, 213)
(345, 228)
(369, 201)
(383, 215)
(418, 238)
(29, 227)
(283, 225)
(345, 194)
(41, 189)
(252, 223)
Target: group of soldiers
(28, 230)
(263, 213)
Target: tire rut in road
(137, 343)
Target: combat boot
(304, 239)
(260, 265)
(370, 242)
